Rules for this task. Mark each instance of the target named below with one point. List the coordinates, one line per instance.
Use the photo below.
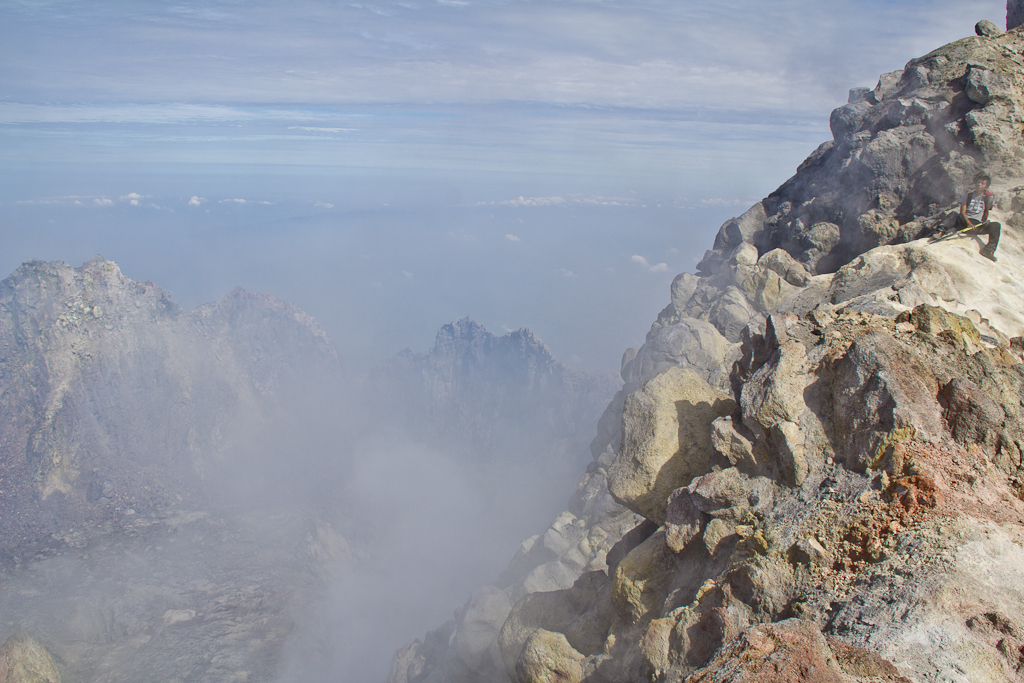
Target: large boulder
(690, 343)
(666, 442)
(473, 653)
(881, 392)
(581, 613)
(549, 658)
(23, 659)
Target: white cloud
(103, 201)
(570, 200)
(511, 238)
(237, 200)
(656, 268)
(132, 198)
(565, 272)
(324, 205)
(321, 129)
(717, 201)
(529, 201)
(196, 201)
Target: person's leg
(950, 223)
(993, 230)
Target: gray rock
(861, 95)
(987, 28)
(845, 120)
(690, 343)
(887, 83)
(473, 652)
(549, 658)
(981, 84)
(666, 439)
(746, 228)
(683, 521)
(733, 312)
(682, 289)
(785, 266)
(23, 659)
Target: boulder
(683, 521)
(474, 649)
(666, 442)
(693, 344)
(731, 313)
(642, 579)
(582, 612)
(23, 659)
(882, 391)
(788, 268)
(682, 289)
(746, 228)
(735, 447)
(981, 85)
(817, 243)
(687, 637)
(549, 658)
(987, 28)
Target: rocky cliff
(814, 469)
(114, 399)
(122, 420)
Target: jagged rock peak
(468, 336)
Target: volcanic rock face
(852, 508)
(119, 416)
(115, 399)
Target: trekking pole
(949, 235)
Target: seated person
(974, 208)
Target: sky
(392, 166)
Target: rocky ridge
(114, 399)
(478, 391)
(122, 549)
(821, 438)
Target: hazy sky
(391, 166)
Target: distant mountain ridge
(476, 391)
(113, 398)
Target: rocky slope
(113, 399)
(122, 419)
(821, 437)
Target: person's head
(982, 181)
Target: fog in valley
(203, 484)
